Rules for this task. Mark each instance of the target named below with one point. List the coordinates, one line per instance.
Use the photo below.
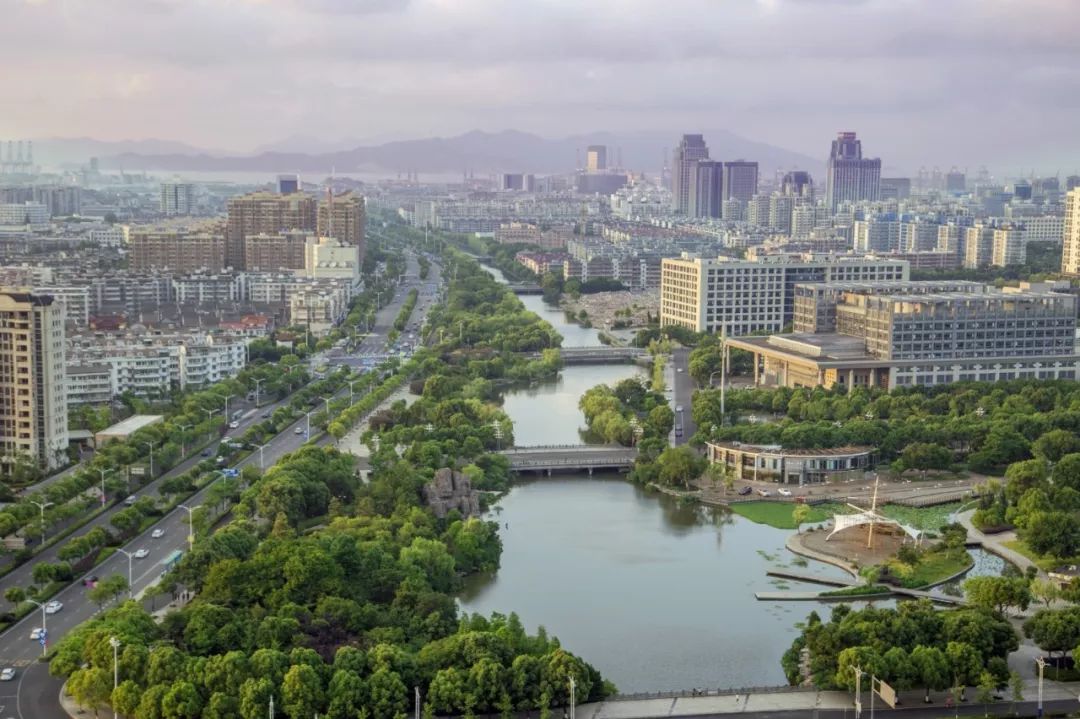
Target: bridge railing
(705, 692)
(562, 447)
(608, 462)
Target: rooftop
(794, 451)
(132, 424)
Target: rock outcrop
(451, 490)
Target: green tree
(90, 687)
(799, 514)
(1045, 591)
(965, 663)
(181, 701)
(1016, 685)
(348, 695)
(932, 668)
(125, 697)
(1055, 444)
(998, 593)
(987, 685)
(15, 595)
(302, 692)
(679, 466)
(388, 694)
(255, 698)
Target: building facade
(177, 248)
(265, 213)
(1070, 251)
(849, 177)
(177, 198)
(691, 149)
(343, 219)
(33, 401)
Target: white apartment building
(978, 246)
(76, 301)
(1046, 228)
(114, 236)
(327, 258)
(19, 214)
(741, 297)
(89, 384)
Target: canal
(657, 594)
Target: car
(764, 493)
(234, 425)
(158, 533)
(131, 500)
(142, 553)
(678, 431)
(53, 607)
(90, 581)
(744, 491)
(298, 430)
(7, 674)
(265, 415)
(679, 369)
(784, 492)
(678, 408)
(37, 633)
(204, 453)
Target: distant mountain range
(476, 151)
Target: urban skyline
(510, 80)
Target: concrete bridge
(525, 288)
(600, 355)
(570, 458)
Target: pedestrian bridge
(570, 458)
(600, 355)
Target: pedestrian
(736, 698)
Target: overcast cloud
(934, 82)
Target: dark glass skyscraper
(683, 172)
(849, 177)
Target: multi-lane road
(33, 694)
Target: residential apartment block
(33, 403)
(177, 248)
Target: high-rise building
(342, 217)
(1070, 252)
(177, 198)
(683, 172)
(265, 212)
(955, 181)
(288, 184)
(706, 199)
(797, 183)
(596, 158)
(177, 248)
(33, 405)
(849, 177)
(895, 188)
(740, 180)
(267, 252)
(1072, 182)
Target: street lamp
(262, 465)
(1041, 663)
(351, 393)
(183, 440)
(227, 398)
(209, 414)
(42, 506)
(498, 434)
(130, 557)
(573, 696)
(151, 446)
(44, 625)
(258, 384)
(191, 523)
(115, 644)
(307, 415)
(103, 472)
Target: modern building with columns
(885, 337)
(771, 462)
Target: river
(656, 594)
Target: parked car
(784, 492)
(745, 491)
(764, 493)
(53, 607)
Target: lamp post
(103, 472)
(130, 557)
(573, 696)
(258, 384)
(858, 690)
(262, 465)
(498, 434)
(1041, 663)
(183, 439)
(191, 523)
(307, 416)
(44, 626)
(115, 644)
(227, 398)
(209, 414)
(351, 392)
(42, 506)
(151, 446)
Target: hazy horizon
(923, 82)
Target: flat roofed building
(177, 248)
(265, 212)
(122, 431)
(790, 466)
(897, 340)
(739, 297)
(270, 252)
(343, 218)
(816, 302)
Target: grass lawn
(1045, 563)
(861, 590)
(937, 566)
(924, 518)
(778, 514)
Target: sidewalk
(996, 543)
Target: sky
(924, 82)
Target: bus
(170, 562)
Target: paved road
(683, 392)
(35, 695)
(22, 576)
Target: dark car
(204, 453)
(90, 581)
(745, 491)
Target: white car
(298, 430)
(53, 607)
(158, 533)
(142, 553)
(784, 492)
(36, 633)
(7, 674)
(234, 425)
